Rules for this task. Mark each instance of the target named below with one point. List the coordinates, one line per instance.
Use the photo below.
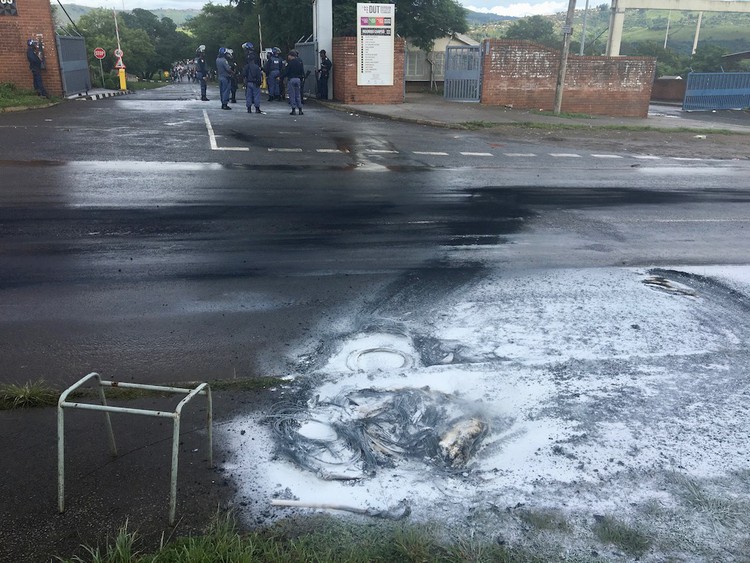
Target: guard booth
(74, 64)
(463, 73)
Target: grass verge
(316, 538)
(41, 394)
(145, 85)
(11, 96)
(633, 542)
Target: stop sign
(99, 53)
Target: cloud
(522, 9)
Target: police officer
(274, 66)
(294, 72)
(224, 72)
(35, 64)
(323, 73)
(250, 53)
(233, 82)
(201, 70)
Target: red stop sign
(100, 53)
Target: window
(438, 63)
(414, 63)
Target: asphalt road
(155, 237)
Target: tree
(708, 58)
(222, 26)
(668, 62)
(535, 28)
(169, 44)
(421, 21)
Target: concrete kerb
(24, 108)
(96, 95)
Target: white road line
(523, 154)
(271, 149)
(429, 153)
(646, 157)
(382, 151)
(564, 155)
(683, 158)
(477, 154)
(212, 137)
(606, 156)
(331, 150)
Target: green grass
(630, 540)
(11, 96)
(40, 394)
(141, 85)
(317, 538)
(549, 520)
(31, 394)
(475, 125)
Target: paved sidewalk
(433, 109)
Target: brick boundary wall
(524, 74)
(669, 90)
(345, 87)
(34, 17)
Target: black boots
(204, 99)
(300, 111)
(225, 107)
(294, 111)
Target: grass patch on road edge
(40, 394)
(313, 538)
(11, 96)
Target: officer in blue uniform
(224, 72)
(201, 70)
(35, 64)
(273, 68)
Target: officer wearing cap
(323, 73)
(35, 64)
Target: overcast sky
(499, 7)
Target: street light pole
(567, 32)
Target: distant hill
(75, 11)
(480, 18)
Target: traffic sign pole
(100, 53)
(101, 70)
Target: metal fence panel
(308, 52)
(463, 73)
(74, 64)
(717, 90)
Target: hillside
(75, 11)
(729, 31)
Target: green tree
(535, 28)
(708, 58)
(421, 21)
(169, 44)
(668, 62)
(222, 26)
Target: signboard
(375, 27)
(119, 53)
(100, 53)
(119, 64)
(8, 8)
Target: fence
(717, 90)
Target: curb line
(86, 98)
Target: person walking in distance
(323, 73)
(253, 79)
(201, 70)
(224, 72)
(294, 72)
(274, 66)
(33, 52)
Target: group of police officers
(276, 72)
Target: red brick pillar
(345, 87)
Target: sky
(499, 7)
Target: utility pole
(567, 32)
(583, 28)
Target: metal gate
(74, 64)
(717, 90)
(308, 52)
(463, 73)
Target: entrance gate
(74, 64)
(717, 90)
(463, 73)
(308, 53)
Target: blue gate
(463, 73)
(717, 90)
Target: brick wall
(345, 87)
(669, 90)
(34, 17)
(524, 75)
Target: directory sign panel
(375, 44)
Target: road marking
(606, 156)
(646, 157)
(429, 153)
(331, 151)
(686, 158)
(212, 137)
(382, 151)
(523, 154)
(564, 155)
(271, 149)
(477, 154)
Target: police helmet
(201, 49)
(247, 46)
(276, 51)
(222, 51)
(31, 42)
(294, 53)
(230, 53)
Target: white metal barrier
(63, 403)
